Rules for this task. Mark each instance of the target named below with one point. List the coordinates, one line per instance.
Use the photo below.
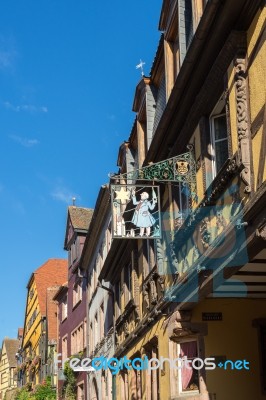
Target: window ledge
(193, 395)
(76, 305)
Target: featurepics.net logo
(139, 364)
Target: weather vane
(140, 66)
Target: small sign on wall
(135, 212)
(212, 316)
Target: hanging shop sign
(180, 169)
(135, 211)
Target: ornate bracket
(242, 120)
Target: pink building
(71, 299)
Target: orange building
(40, 326)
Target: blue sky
(67, 81)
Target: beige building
(8, 364)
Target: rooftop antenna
(140, 66)
(73, 201)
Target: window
(180, 200)
(64, 308)
(188, 379)
(77, 340)
(96, 333)
(128, 282)
(64, 348)
(95, 277)
(34, 315)
(108, 237)
(117, 299)
(91, 342)
(89, 288)
(3, 378)
(85, 334)
(77, 293)
(152, 377)
(74, 251)
(101, 321)
(148, 256)
(219, 138)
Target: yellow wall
(32, 335)
(257, 80)
(156, 330)
(235, 338)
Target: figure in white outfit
(142, 218)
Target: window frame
(64, 310)
(180, 390)
(218, 111)
(77, 293)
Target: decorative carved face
(182, 167)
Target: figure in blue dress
(142, 218)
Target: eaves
(218, 20)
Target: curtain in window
(188, 349)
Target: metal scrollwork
(181, 168)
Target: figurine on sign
(142, 217)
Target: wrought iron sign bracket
(181, 168)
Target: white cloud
(24, 141)
(63, 194)
(25, 107)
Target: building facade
(40, 324)
(8, 366)
(199, 133)
(71, 300)
(100, 338)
